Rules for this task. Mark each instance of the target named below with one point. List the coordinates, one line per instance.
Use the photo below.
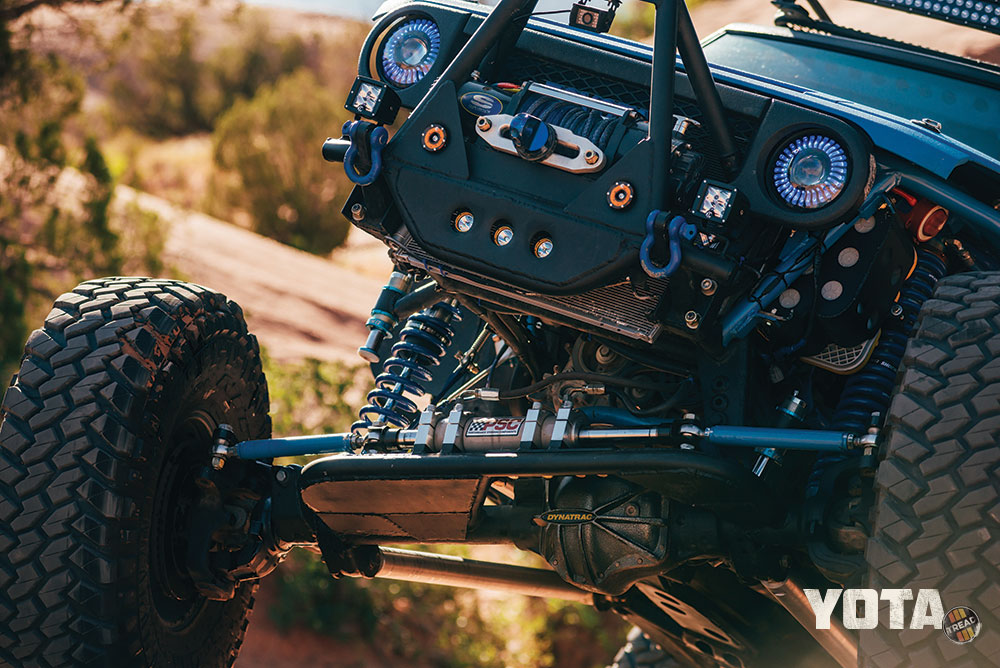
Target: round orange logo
(962, 625)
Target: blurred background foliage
(222, 111)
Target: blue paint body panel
(936, 153)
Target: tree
(272, 143)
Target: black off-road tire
(937, 512)
(641, 652)
(112, 409)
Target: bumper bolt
(358, 212)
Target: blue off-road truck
(715, 335)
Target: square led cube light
(714, 201)
(374, 100)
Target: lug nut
(358, 212)
(543, 248)
(503, 236)
(691, 319)
(708, 287)
(464, 221)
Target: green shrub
(176, 80)
(271, 143)
(313, 396)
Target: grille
(526, 67)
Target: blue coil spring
(421, 346)
(870, 390)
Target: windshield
(967, 112)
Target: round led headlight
(410, 50)
(811, 171)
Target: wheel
(937, 514)
(641, 652)
(103, 429)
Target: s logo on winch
(481, 104)
(565, 516)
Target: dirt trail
(299, 305)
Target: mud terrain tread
(74, 464)
(641, 652)
(937, 519)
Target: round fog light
(543, 248)
(464, 221)
(503, 236)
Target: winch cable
(587, 123)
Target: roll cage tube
(673, 30)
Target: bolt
(691, 319)
(218, 462)
(603, 355)
(848, 257)
(896, 311)
(281, 475)
(631, 510)
(591, 158)
(831, 290)
(865, 225)
(484, 124)
(708, 287)
(790, 298)
(358, 212)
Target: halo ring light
(810, 171)
(409, 51)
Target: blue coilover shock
(421, 346)
(870, 390)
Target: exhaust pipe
(441, 569)
(839, 643)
